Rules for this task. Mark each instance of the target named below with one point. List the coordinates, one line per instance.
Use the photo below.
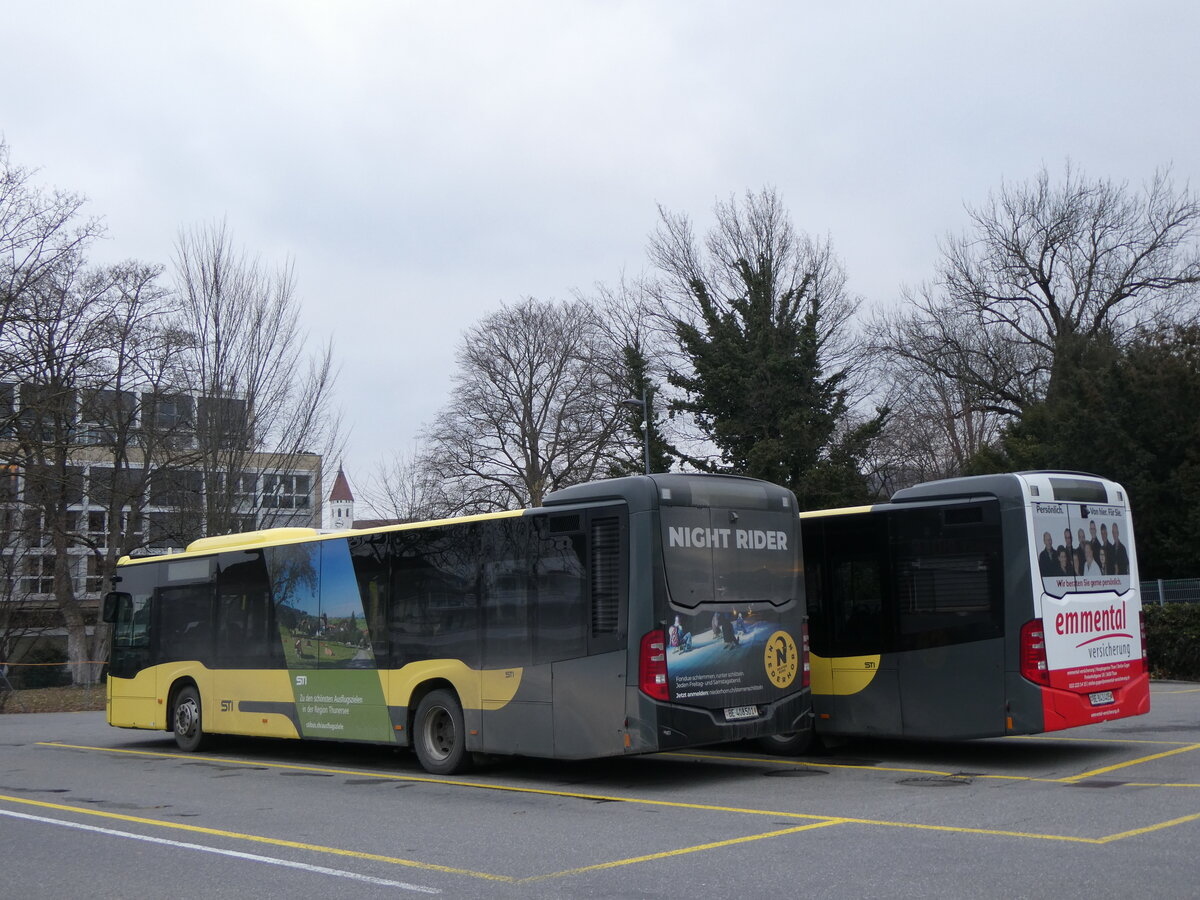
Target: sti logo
(301, 680)
(226, 706)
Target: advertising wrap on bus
(740, 643)
(1090, 603)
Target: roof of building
(341, 489)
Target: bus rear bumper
(689, 726)
(1070, 709)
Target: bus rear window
(1079, 490)
(730, 556)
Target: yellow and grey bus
(624, 616)
(975, 607)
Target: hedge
(43, 667)
(1173, 640)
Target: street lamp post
(644, 406)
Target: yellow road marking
(996, 832)
(1042, 737)
(800, 762)
(819, 820)
(666, 854)
(1184, 691)
(258, 839)
(865, 768)
(510, 788)
(1125, 765)
(1149, 828)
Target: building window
(178, 489)
(105, 414)
(286, 491)
(223, 422)
(39, 575)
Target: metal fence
(1174, 590)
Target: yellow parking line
(995, 832)
(1125, 765)
(818, 820)
(1045, 737)
(865, 768)
(666, 854)
(479, 785)
(1184, 691)
(800, 762)
(259, 839)
(1149, 828)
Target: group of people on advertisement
(1086, 556)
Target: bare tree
(409, 488)
(39, 229)
(1046, 269)
(257, 392)
(641, 340)
(934, 426)
(61, 353)
(533, 408)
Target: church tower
(341, 503)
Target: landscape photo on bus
(623, 616)
(975, 607)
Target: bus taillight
(805, 669)
(1142, 626)
(1033, 652)
(652, 668)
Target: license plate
(1100, 698)
(740, 712)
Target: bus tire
(439, 736)
(187, 720)
(795, 743)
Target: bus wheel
(796, 743)
(439, 736)
(189, 730)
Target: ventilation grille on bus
(606, 572)
(563, 524)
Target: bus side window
(246, 631)
(815, 601)
(185, 623)
(509, 589)
(561, 590)
(372, 570)
(435, 595)
(947, 575)
(132, 627)
(858, 604)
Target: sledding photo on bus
(724, 652)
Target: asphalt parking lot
(1098, 811)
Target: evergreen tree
(768, 377)
(639, 385)
(1127, 414)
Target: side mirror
(112, 605)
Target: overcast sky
(423, 162)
